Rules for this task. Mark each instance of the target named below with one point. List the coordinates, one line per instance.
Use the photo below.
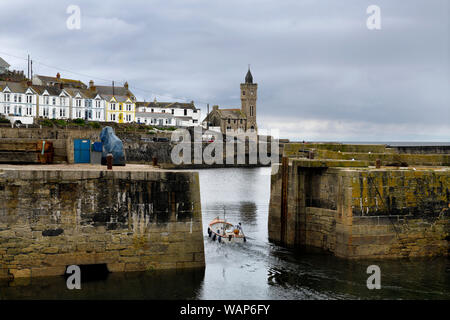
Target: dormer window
(243, 92)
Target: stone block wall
(128, 220)
(363, 212)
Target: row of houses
(60, 98)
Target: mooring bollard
(155, 161)
(109, 161)
(378, 163)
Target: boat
(225, 232)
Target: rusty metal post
(109, 161)
(378, 163)
(284, 198)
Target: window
(251, 111)
(240, 121)
(62, 101)
(7, 97)
(113, 106)
(29, 98)
(173, 111)
(78, 102)
(15, 98)
(46, 100)
(243, 92)
(54, 100)
(229, 120)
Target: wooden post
(284, 198)
(109, 161)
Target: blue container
(82, 150)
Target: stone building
(236, 120)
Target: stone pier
(133, 218)
(359, 211)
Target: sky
(322, 74)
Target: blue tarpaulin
(112, 144)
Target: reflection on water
(134, 285)
(256, 269)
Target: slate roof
(119, 98)
(154, 115)
(225, 114)
(171, 105)
(3, 63)
(85, 93)
(118, 91)
(231, 113)
(52, 90)
(68, 82)
(16, 87)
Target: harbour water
(256, 269)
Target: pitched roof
(118, 91)
(85, 93)
(16, 87)
(172, 105)
(3, 63)
(231, 113)
(154, 115)
(119, 98)
(68, 82)
(52, 90)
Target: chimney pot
(58, 76)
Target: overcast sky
(321, 73)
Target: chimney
(91, 85)
(215, 108)
(29, 83)
(58, 76)
(125, 85)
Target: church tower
(248, 101)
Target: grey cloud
(313, 60)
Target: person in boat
(237, 228)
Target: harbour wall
(131, 219)
(139, 146)
(354, 210)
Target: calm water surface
(256, 269)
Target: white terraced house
(168, 113)
(18, 102)
(54, 103)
